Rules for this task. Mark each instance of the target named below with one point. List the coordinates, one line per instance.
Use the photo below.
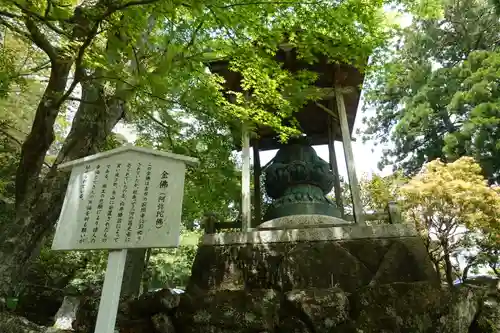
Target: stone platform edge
(344, 232)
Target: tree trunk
(134, 269)
(437, 268)
(41, 136)
(93, 122)
(465, 273)
(448, 265)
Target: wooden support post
(246, 213)
(256, 185)
(349, 158)
(334, 166)
(394, 213)
(110, 295)
(209, 221)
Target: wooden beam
(257, 197)
(349, 157)
(334, 166)
(227, 225)
(327, 110)
(246, 212)
(377, 216)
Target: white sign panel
(125, 200)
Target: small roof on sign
(186, 159)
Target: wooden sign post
(128, 197)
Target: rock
(86, 315)
(10, 323)
(417, 307)
(234, 311)
(151, 303)
(488, 320)
(39, 305)
(412, 307)
(14, 324)
(162, 323)
(291, 324)
(143, 325)
(132, 313)
(322, 309)
(66, 315)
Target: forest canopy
(70, 71)
(93, 64)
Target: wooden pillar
(246, 213)
(256, 185)
(209, 221)
(333, 164)
(349, 157)
(394, 211)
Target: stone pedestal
(348, 257)
(341, 279)
(304, 221)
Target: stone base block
(347, 231)
(348, 257)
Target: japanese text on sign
(127, 201)
(162, 195)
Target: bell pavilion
(297, 179)
(304, 266)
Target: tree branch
(82, 101)
(136, 87)
(150, 116)
(46, 20)
(40, 40)
(267, 3)
(136, 57)
(16, 140)
(494, 268)
(223, 26)
(45, 65)
(10, 15)
(17, 30)
(134, 3)
(113, 9)
(195, 33)
(79, 73)
(47, 10)
(10, 136)
(465, 273)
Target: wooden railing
(392, 215)
(212, 227)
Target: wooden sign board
(129, 197)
